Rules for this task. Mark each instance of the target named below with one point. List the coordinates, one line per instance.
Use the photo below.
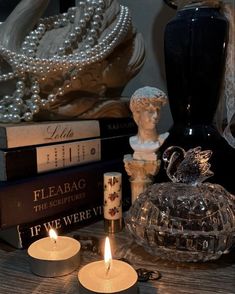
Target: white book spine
(12, 136)
(58, 156)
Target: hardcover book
(39, 133)
(33, 198)
(21, 236)
(19, 163)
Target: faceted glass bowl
(182, 222)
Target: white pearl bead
(18, 101)
(27, 116)
(82, 23)
(7, 99)
(35, 89)
(97, 18)
(13, 109)
(81, 4)
(66, 43)
(20, 85)
(60, 91)
(99, 11)
(43, 103)
(72, 36)
(78, 30)
(91, 40)
(56, 25)
(101, 3)
(5, 118)
(51, 98)
(2, 109)
(34, 108)
(90, 10)
(15, 118)
(87, 16)
(36, 98)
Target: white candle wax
(51, 258)
(121, 278)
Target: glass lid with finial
(186, 220)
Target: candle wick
(108, 268)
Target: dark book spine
(21, 236)
(44, 195)
(116, 127)
(63, 223)
(29, 161)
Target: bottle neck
(188, 4)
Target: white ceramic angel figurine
(145, 105)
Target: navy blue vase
(195, 44)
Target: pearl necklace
(31, 70)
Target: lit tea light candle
(107, 276)
(54, 256)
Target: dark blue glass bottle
(195, 44)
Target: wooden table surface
(193, 278)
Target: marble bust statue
(145, 105)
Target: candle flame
(107, 255)
(53, 235)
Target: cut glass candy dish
(184, 220)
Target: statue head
(145, 105)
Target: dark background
(54, 7)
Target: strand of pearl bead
(14, 108)
(25, 109)
(84, 58)
(7, 56)
(125, 19)
(102, 49)
(106, 45)
(29, 46)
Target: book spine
(117, 127)
(21, 236)
(29, 161)
(41, 133)
(44, 195)
(27, 134)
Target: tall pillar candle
(113, 202)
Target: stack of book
(51, 174)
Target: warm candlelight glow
(53, 235)
(107, 255)
(51, 258)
